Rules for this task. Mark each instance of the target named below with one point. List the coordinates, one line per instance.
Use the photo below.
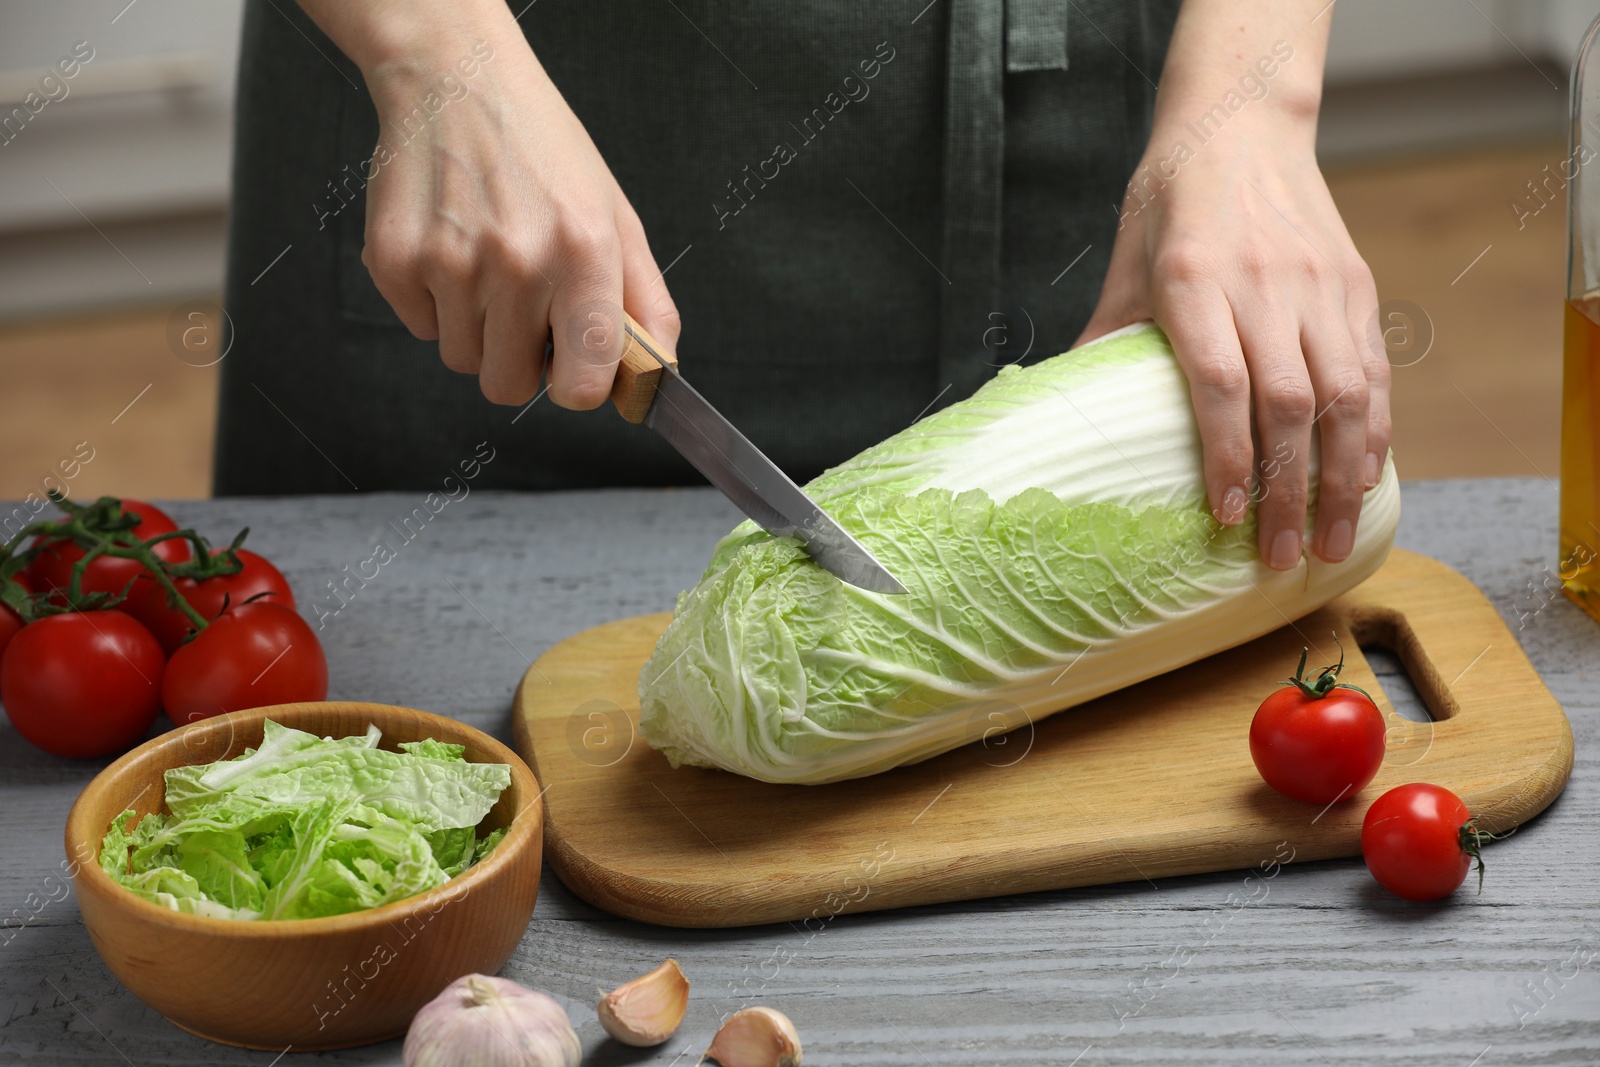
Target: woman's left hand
(1234, 247)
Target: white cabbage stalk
(1054, 537)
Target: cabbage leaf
(304, 826)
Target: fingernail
(1338, 542)
(1233, 504)
(1374, 469)
(1285, 550)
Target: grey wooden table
(1326, 969)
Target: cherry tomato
(52, 567)
(10, 621)
(84, 684)
(1419, 841)
(252, 656)
(10, 625)
(148, 601)
(1317, 740)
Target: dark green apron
(847, 251)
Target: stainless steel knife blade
(753, 482)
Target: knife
(649, 390)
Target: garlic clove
(756, 1037)
(648, 1009)
(483, 1021)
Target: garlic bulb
(480, 1021)
(648, 1009)
(756, 1037)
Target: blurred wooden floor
(1486, 399)
(110, 380)
(1483, 401)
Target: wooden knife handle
(638, 372)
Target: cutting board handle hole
(1406, 674)
(1396, 683)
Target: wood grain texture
(1324, 968)
(638, 372)
(1080, 798)
(320, 983)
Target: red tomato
(52, 567)
(252, 656)
(10, 621)
(84, 684)
(10, 624)
(148, 602)
(1419, 841)
(1317, 748)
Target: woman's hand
(492, 221)
(1233, 246)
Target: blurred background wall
(139, 148)
(1438, 115)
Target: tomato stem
(1472, 840)
(1327, 679)
(104, 528)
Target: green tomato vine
(103, 528)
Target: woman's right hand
(492, 221)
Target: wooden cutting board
(1151, 781)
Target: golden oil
(1580, 455)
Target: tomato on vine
(253, 655)
(51, 568)
(10, 625)
(10, 621)
(82, 684)
(1317, 740)
(255, 577)
(81, 676)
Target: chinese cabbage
(305, 826)
(1054, 537)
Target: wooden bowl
(305, 983)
